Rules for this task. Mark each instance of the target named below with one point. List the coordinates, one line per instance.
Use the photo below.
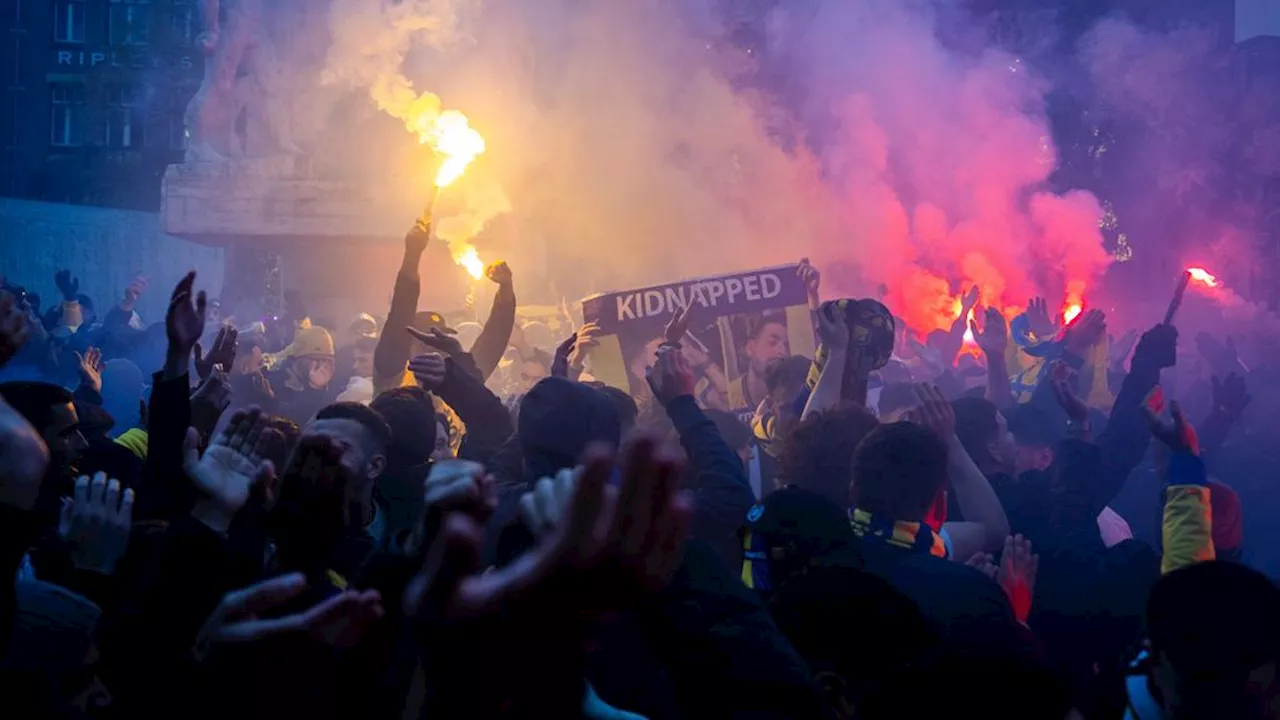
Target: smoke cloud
(628, 146)
(942, 158)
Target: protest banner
(740, 323)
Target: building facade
(94, 96)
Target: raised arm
(492, 342)
(826, 394)
(394, 346)
(164, 491)
(994, 341)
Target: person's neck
(756, 389)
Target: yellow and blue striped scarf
(913, 536)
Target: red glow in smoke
(1203, 276)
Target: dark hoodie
(559, 418)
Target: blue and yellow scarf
(913, 536)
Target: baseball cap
(427, 320)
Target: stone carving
(242, 109)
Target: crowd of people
(290, 520)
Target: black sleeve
(487, 420)
(720, 484)
(165, 491)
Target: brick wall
(103, 248)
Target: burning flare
(1201, 275)
(452, 138)
(1071, 312)
(469, 260)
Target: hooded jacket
(558, 419)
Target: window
(66, 123)
(68, 21)
(122, 130)
(126, 124)
(130, 22)
(182, 24)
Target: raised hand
(609, 548)
(429, 370)
(95, 523)
(499, 273)
(994, 335)
(313, 512)
(1064, 378)
(1017, 575)
(969, 301)
(1179, 436)
(90, 365)
(221, 356)
(437, 339)
(1041, 321)
(460, 486)
(13, 328)
(137, 286)
(184, 322)
(677, 326)
(586, 339)
(542, 508)
(1230, 396)
(415, 241)
(933, 411)
(833, 331)
(812, 280)
(670, 377)
(229, 468)
(560, 362)
(67, 285)
(338, 622)
(1157, 348)
(1084, 332)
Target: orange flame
(1071, 312)
(1201, 275)
(469, 260)
(451, 136)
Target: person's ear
(377, 464)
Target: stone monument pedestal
(337, 245)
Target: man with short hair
(363, 436)
(899, 475)
(766, 342)
(415, 433)
(1215, 646)
(51, 411)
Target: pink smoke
(942, 160)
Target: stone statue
(241, 110)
